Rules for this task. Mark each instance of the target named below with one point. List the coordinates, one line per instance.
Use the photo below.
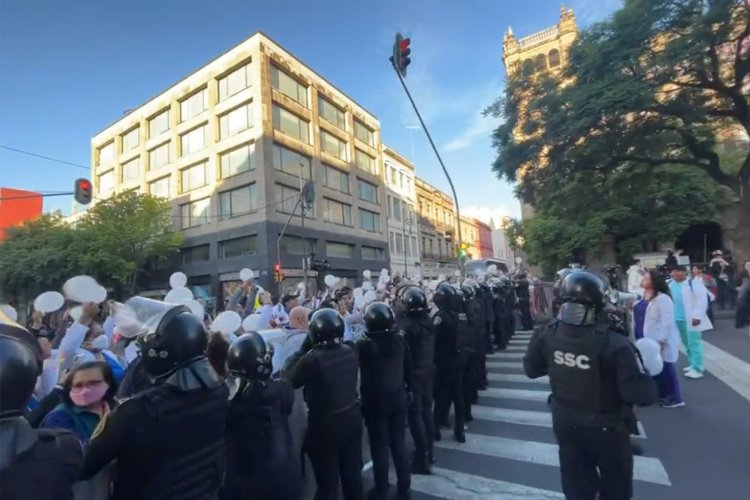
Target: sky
(68, 69)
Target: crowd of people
(146, 400)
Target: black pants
(472, 378)
(335, 450)
(421, 421)
(524, 306)
(449, 389)
(594, 460)
(386, 433)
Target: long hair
(658, 282)
(106, 370)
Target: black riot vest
(463, 333)
(584, 388)
(46, 470)
(335, 390)
(421, 338)
(445, 324)
(382, 372)
(190, 442)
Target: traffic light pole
(281, 235)
(445, 170)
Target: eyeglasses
(86, 385)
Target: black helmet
(379, 318)
(584, 287)
(179, 339)
(326, 326)
(249, 357)
(19, 368)
(414, 299)
(468, 291)
(445, 296)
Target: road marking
(504, 364)
(524, 331)
(646, 469)
(522, 336)
(524, 394)
(726, 367)
(519, 341)
(506, 355)
(445, 483)
(515, 348)
(514, 377)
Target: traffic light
(278, 275)
(83, 191)
(401, 53)
(463, 250)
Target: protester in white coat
(635, 275)
(691, 305)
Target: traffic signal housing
(83, 191)
(278, 274)
(463, 250)
(401, 54)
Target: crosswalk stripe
(525, 332)
(518, 341)
(646, 469)
(504, 364)
(521, 348)
(512, 416)
(506, 355)
(515, 377)
(524, 394)
(522, 336)
(445, 483)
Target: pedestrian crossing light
(83, 191)
(278, 275)
(401, 53)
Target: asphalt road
(692, 453)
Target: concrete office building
(403, 226)
(437, 224)
(231, 145)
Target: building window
(130, 140)
(196, 213)
(367, 191)
(158, 157)
(194, 177)
(363, 133)
(365, 161)
(294, 245)
(236, 121)
(372, 253)
(337, 212)
(194, 105)
(291, 162)
(393, 175)
(336, 179)
(528, 67)
(159, 187)
(331, 113)
(333, 145)
(240, 201)
(131, 171)
(195, 140)
(194, 254)
(158, 124)
(554, 58)
(106, 154)
(237, 160)
(107, 181)
(235, 82)
(286, 201)
(540, 62)
(369, 221)
(396, 208)
(291, 124)
(414, 252)
(341, 250)
(237, 247)
(399, 243)
(392, 239)
(288, 86)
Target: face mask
(100, 343)
(86, 396)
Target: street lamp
(407, 222)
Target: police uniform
(524, 303)
(328, 371)
(595, 375)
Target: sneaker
(687, 368)
(694, 374)
(672, 404)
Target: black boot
(403, 494)
(437, 436)
(459, 435)
(421, 464)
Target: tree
(37, 256)
(123, 233)
(645, 97)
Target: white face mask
(100, 343)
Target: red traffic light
(405, 42)
(82, 191)
(85, 184)
(277, 267)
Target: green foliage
(514, 232)
(111, 242)
(624, 142)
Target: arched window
(554, 58)
(540, 62)
(528, 67)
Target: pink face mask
(86, 396)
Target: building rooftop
(540, 36)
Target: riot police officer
(385, 365)
(417, 327)
(33, 463)
(595, 374)
(450, 360)
(261, 462)
(474, 364)
(327, 368)
(168, 440)
(484, 294)
(524, 301)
